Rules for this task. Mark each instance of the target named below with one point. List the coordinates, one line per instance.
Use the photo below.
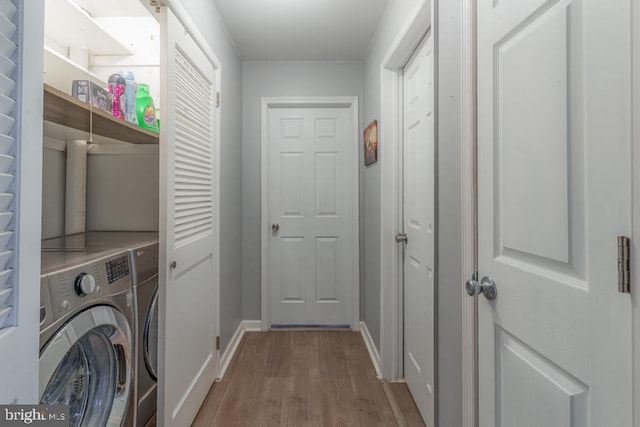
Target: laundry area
(100, 178)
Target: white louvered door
(20, 202)
(189, 230)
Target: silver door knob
(275, 227)
(402, 238)
(487, 287)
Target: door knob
(275, 227)
(486, 286)
(402, 238)
(173, 265)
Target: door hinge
(624, 265)
(154, 3)
(218, 342)
(217, 99)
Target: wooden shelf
(65, 110)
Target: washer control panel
(117, 269)
(76, 287)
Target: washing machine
(87, 336)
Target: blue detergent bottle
(130, 93)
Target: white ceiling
(301, 30)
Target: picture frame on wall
(371, 143)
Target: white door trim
(469, 214)
(635, 185)
(350, 102)
(391, 324)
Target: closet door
(20, 211)
(189, 225)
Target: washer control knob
(85, 284)
(66, 305)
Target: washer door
(88, 366)
(150, 337)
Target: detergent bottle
(145, 109)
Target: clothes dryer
(144, 277)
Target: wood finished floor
(303, 378)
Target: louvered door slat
(193, 152)
(7, 123)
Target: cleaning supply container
(145, 109)
(130, 94)
(117, 87)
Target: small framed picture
(371, 143)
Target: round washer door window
(87, 366)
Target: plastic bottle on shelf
(117, 87)
(145, 109)
(130, 93)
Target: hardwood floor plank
(269, 410)
(407, 405)
(298, 405)
(280, 355)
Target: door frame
(351, 103)
(635, 208)
(469, 181)
(391, 117)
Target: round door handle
(486, 286)
(173, 265)
(275, 227)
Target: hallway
(303, 378)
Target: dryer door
(150, 337)
(88, 366)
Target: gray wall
(206, 17)
(449, 250)
(395, 16)
(53, 192)
(122, 191)
(261, 79)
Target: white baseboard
(244, 326)
(252, 325)
(373, 351)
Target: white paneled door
(419, 185)
(310, 235)
(189, 226)
(553, 195)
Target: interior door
(21, 50)
(419, 268)
(309, 206)
(189, 252)
(553, 195)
